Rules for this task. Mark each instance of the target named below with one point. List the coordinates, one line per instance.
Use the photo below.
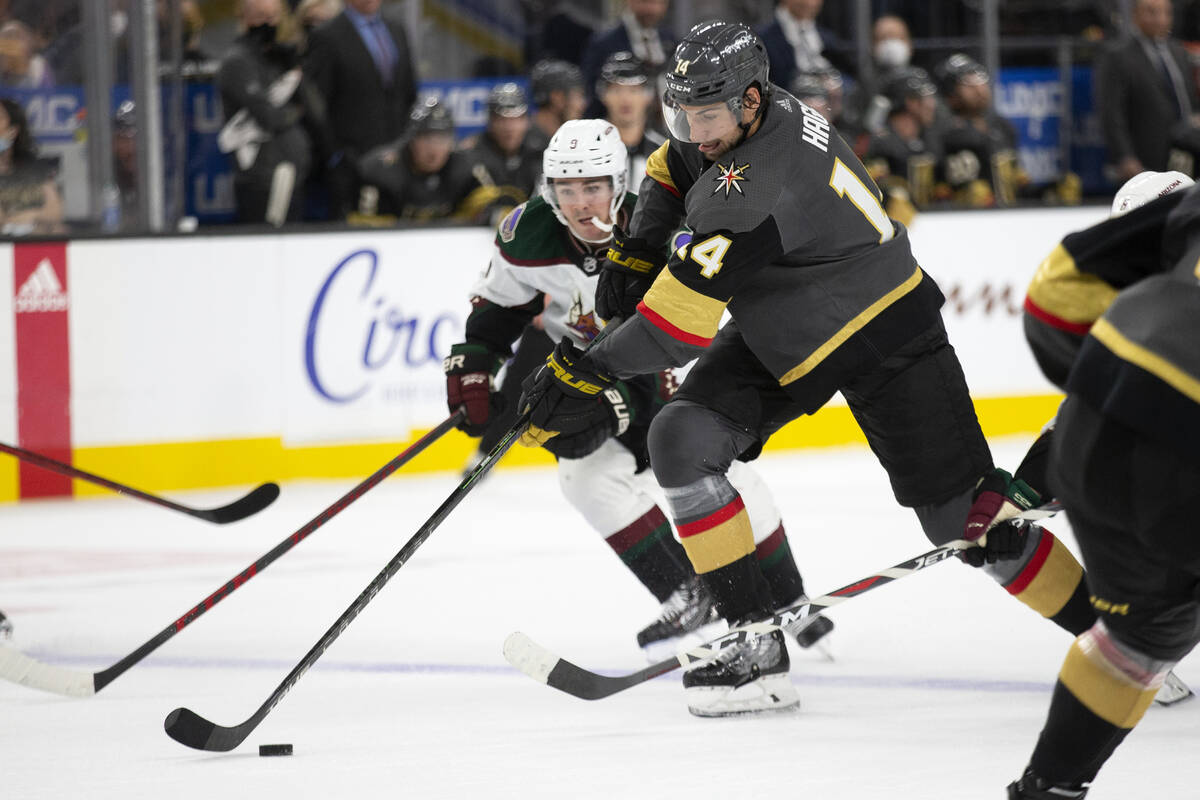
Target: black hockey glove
(569, 398)
(998, 498)
(470, 369)
(629, 267)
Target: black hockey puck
(274, 749)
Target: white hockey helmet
(586, 148)
(1147, 186)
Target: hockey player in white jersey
(546, 261)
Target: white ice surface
(939, 689)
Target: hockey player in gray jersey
(824, 295)
(545, 261)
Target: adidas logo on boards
(41, 291)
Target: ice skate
(744, 679)
(6, 627)
(1031, 787)
(1172, 691)
(689, 616)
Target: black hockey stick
(252, 503)
(542, 665)
(19, 668)
(187, 727)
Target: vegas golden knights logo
(681, 66)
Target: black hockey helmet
(624, 68)
(907, 83)
(552, 75)
(507, 100)
(430, 116)
(959, 68)
(125, 119)
(716, 62)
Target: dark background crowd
(322, 118)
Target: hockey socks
(1102, 692)
(1048, 579)
(649, 549)
(778, 566)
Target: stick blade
(247, 506)
(540, 664)
(189, 728)
(19, 668)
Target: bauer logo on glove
(571, 400)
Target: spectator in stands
(125, 172)
(420, 177)
(312, 14)
(1146, 93)
(20, 66)
(795, 43)
(891, 52)
(361, 62)
(810, 89)
(267, 101)
(979, 145)
(505, 156)
(553, 32)
(902, 157)
(557, 89)
(30, 202)
(626, 91)
(640, 31)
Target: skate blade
(768, 694)
(665, 648)
(1172, 691)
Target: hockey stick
(19, 668)
(252, 503)
(189, 728)
(542, 665)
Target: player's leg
(715, 418)
(773, 551)
(1132, 507)
(918, 417)
(606, 488)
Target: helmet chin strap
(745, 127)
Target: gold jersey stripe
(656, 167)
(1059, 288)
(850, 328)
(1148, 360)
(1101, 686)
(1054, 583)
(683, 307)
(721, 544)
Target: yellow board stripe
(190, 465)
(683, 307)
(1059, 288)
(850, 328)
(1148, 360)
(656, 167)
(1101, 686)
(721, 544)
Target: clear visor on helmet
(703, 123)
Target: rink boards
(182, 362)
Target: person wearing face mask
(891, 53)
(267, 103)
(30, 202)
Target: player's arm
(501, 306)
(680, 315)
(635, 257)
